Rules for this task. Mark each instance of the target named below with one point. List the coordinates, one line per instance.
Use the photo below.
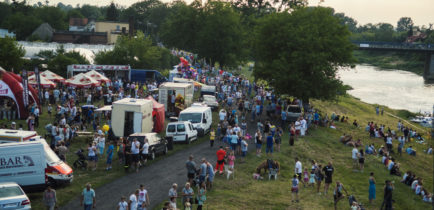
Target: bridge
(427, 49)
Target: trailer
(168, 89)
(132, 116)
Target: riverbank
(412, 62)
(322, 144)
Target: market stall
(82, 81)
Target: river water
(393, 88)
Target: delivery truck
(130, 115)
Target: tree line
(297, 49)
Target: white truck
(199, 116)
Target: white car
(13, 197)
(181, 131)
(210, 101)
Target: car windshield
(209, 99)
(10, 191)
(192, 117)
(295, 109)
(51, 157)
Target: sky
(364, 11)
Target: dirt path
(157, 177)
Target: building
(112, 29)
(43, 32)
(4, 33)
(78, 24)
(80, 37)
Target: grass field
(322, 144)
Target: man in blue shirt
(410, 151)
(270, 141)
(88, 197)
(234, 141)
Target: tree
(348, 21)
(10, 54)
(112, 13)
(298, 56)
(384, 32)
(404, 24)
(139, 52)
(59, 60)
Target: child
(122, 205)
(187, 206)
(312, 179)
(110, 156)
(49, 110)
(231, 160)
(294, 188)
(305, 177)
(212, 137)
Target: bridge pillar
(429, 66)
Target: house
(43, 32)
(113, 29)
(4, 33)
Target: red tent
(157, 115)
(10, 86)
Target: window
(171, 129)
(50, 155)
(118, 28)
(10, 191)
(181, 128)
(192, 117)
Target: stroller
(352, 199)
(81, 161)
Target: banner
(25, 88)
(38, 84)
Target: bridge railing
(394, 45)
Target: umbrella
(82, 81)
(52, 76)
(97, 76)
(45, 83)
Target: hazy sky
(364, 11)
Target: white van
(181, 131)
(23, 163)
(199, 116)
(57, 171)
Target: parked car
(13, 197)
(181, 131)
(157, 145)
(293, 112)
(200, 116)
(210, 101)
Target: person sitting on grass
(411, 151)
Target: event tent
(157, 115)
(82, 81)
(52, 76)
(11, 87)
(45, 83)
(97, 76)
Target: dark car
(157, 145)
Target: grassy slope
(322, 145)
(391, 60)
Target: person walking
(388, 189)
(143, 198)
(135, 150)
(191, 169)
(372, 189)
(361, 156)
(270, 142)
(201, 197)
(298, 168)
(337, 194)
(211, 137)
(294, 188)
(173, 195)
(88, 198)
(133, 201)
(258, 141)
(292, 132)
(123, 205)
(49, 198)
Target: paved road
(157, 177)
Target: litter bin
(169, 143)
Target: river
(392, 88)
